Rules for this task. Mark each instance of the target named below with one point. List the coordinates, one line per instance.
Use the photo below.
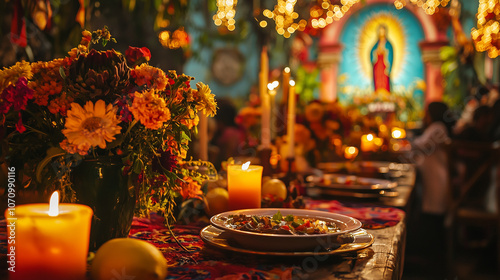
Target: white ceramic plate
(221, 239)
(282, 242)
(350, 182)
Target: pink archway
(330, 52)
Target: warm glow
(398, 133)
(292, 83)
(350, 152)
(369, 137)
(245, 165)
(54, 204)
(287, 69)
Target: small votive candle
(244, 184)
(50, 244)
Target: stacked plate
(350, 186)
(347, 237)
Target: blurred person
(430, 158)
(426, 235)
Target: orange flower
(150, 109)
(91, 125)
(151, 76)
(190, 188)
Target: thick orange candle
(244, 186)
(47, 245)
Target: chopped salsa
(279, 224)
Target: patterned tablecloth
(205, 262)
(382, 260)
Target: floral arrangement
(96, 103)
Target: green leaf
(289, 218)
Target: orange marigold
(189, 188)
(150, 109)
(151, 76)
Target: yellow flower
(207, 100)
(150, 109)
(151, 76)
(191, 119)
(91, 125)
(12, 74)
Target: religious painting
(382, 67)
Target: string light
(325, 12)
(284, 16)
(225, 14)
(429, 6)
(486, 36)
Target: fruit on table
(217, 200)
(274, 187)
(128, 258)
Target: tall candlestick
(244, 184)
(203, 136)
(50, 245)
(286, 82)
(264, 97)
(291, 121)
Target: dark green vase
(100, 184)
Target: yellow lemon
(217, 199)
(128, 258)
(275, 187)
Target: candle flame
(369, 137)
(287, 69)
(245, 165)
(292, 83)
(54, 204)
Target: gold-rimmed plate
(350, 242)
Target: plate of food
(348, 242)
(284, 230)
(350, 182)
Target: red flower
(16, 95)
(166, 161)
(135, 56)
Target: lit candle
(350, 152)
(272, 94)
(51, 241)
(244, 186)
(286, 82)
(398, 133)
(367, 144)
(291, 121)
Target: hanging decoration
(485, 36)
(284, 16)
(225, 14)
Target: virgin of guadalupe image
(381, 57)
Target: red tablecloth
(202, 262)
(205, 263)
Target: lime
(274, 187)
(128, 257)
(217, 199)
